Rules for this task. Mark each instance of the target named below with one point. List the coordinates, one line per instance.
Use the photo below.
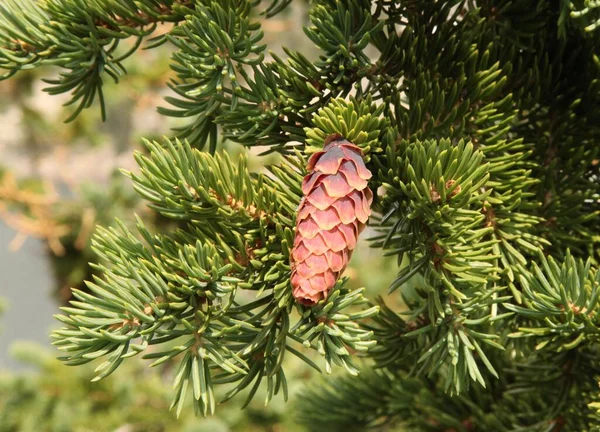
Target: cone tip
(331, 138)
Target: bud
(332, 213)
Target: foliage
(55, 398)
(479, 122)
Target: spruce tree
(478, 121)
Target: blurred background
(57, 182)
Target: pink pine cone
(331, 215)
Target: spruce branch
(479, 122)
(342, 31)
(357, 121)
(401, 401)
(270, 110)
(365, 405)
(215, 42)
(560, 303)
(439, 188)
(336, 332)
(178, 297)
(81, 38)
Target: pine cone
(331, 215)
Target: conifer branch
(176, 296)
(479, 123)
(81, 38)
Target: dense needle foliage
(479, 121)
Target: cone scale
(335, 207)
